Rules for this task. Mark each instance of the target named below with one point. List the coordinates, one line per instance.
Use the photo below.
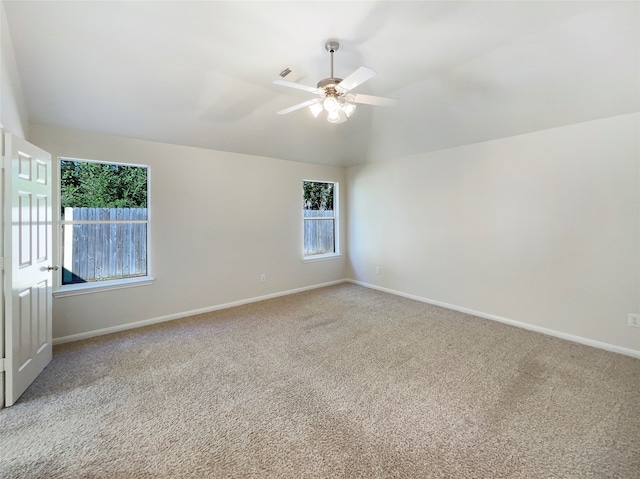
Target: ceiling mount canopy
(335, 95)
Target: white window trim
(320, 257)
(60, 290)
(87, 288)
(336, 228)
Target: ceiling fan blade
(299, 106)
(289, 84)
(373, 100)
(359, 76)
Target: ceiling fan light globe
(316, 108)
(330, 104)
(333, 117)
(348, 109)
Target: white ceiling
(201, 73)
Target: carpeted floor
(337, 382)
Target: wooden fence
(100, 250)
(319, 233)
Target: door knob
(53, 268)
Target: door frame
(2, 261)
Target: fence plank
(91, 240)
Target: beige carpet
(337, 382)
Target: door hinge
(1, 263)
(4, 363)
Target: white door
(28, 276)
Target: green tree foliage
(101, 185)
(317, 195)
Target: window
(320, 206)
(104, 219)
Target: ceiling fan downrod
(331, 47)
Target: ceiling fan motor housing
(329, 83)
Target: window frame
(62, 290)
(336, 229)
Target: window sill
(321, 257)
(87, 288)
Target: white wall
(218, 220)
(541, 228)
(13, 112)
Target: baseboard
(519, 324)
(184, 314)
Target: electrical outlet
(634, 320)
(377, 269)
(263, 278)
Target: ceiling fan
(334, 94)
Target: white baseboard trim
(184, 314)
(519, 324)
